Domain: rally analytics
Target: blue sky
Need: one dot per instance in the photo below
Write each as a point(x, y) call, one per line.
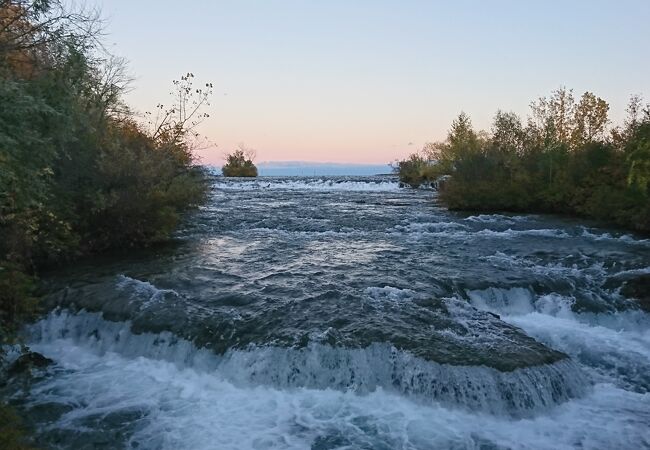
point(357, 81)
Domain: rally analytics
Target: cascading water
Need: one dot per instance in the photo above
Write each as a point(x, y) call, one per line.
point(348, 313)
point(318, 366)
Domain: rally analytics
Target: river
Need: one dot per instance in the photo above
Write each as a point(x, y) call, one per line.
point(347, 313)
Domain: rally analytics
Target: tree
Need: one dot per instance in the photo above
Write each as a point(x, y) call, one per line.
point(508, 133)
point(180, 121)
point(78, 172)
point(634, 111)
point(590, 120)
point(34, 34)
point(562, 161)
point(553, 116)
point(240, 163)
point(461, 137)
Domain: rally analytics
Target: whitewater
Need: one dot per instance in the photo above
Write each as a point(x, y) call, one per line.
point(347, 313)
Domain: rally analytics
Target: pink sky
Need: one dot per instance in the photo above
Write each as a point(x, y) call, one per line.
point(356, 82)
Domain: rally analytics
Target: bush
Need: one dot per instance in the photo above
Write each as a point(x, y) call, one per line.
point(416, 171)
point(562, 161)
point(17, 300)
point(12, 434)
point(78, 173)
point(238, 164)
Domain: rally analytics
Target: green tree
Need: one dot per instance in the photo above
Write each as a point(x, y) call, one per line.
point(590, 120)
point(79, 173)
point(240, 163)
point(552, 117)
point(562, 161)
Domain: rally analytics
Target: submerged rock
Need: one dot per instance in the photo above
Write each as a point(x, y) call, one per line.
point(639, 290)
point(441, 330)
point(27, 362)
point(320, 365)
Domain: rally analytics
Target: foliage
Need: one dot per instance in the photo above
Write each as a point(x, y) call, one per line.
point(78, 172)
point(17, 301)
point(416, 170)
point(240, 163)
point(12, 435)
point(563, 160)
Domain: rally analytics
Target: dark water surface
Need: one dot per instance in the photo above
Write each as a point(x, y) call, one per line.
point(345, 313)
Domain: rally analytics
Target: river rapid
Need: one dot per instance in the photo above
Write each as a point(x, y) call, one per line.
point(347, 313)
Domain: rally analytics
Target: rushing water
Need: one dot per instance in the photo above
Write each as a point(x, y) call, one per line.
point(347, 313)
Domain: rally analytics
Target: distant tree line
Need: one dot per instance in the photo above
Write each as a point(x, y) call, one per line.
point(565, 158)
point(79, 172)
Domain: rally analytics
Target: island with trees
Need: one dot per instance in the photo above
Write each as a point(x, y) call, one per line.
point(564, 159)
point(240, 163)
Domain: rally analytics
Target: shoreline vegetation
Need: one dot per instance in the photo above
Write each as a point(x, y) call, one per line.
point(564, 159)
point(80, 172)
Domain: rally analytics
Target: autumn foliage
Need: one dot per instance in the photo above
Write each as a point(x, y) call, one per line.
point(79, 172)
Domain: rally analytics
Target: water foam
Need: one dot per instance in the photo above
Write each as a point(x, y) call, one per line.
point(624, 238)
point(519, 392)
point(390, 294)
point(145, 293)
point(497, 218)
point(459, 231)
point(614, 347)
point(174, 407)
point(315, 184)
point(428, 227)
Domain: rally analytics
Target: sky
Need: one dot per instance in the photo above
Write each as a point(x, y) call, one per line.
point(355, 81)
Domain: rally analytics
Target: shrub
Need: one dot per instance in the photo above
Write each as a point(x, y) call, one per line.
point(239, 164)
point(415, 171)
point(562, 161)
point(12, 434)
point(78, 173)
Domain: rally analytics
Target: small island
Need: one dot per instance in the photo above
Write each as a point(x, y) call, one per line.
point(240, 163)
